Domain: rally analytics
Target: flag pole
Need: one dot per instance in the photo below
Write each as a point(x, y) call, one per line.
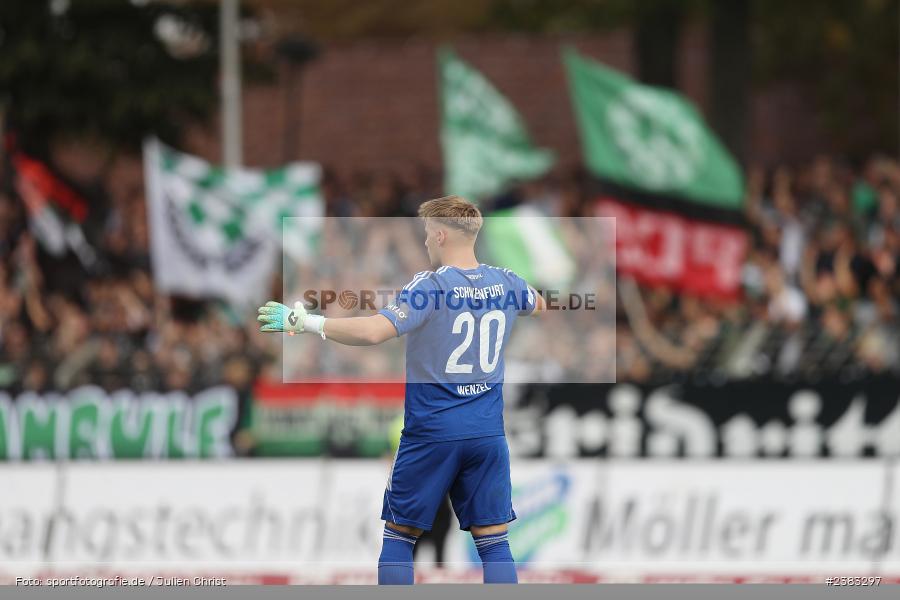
point(230, 77)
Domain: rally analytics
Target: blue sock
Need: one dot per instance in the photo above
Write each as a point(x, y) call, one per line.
point(496, 557)
point(395, 565)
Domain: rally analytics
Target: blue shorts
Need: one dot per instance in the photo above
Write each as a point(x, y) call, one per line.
point(475, 472)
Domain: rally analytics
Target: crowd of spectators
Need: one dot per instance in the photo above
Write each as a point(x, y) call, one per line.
point(64, 324)
point(821, 287)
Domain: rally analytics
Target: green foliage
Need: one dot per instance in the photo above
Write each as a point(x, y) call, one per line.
point(338, 20)
point(846, 52)
point(98, 69)
point(573, 16)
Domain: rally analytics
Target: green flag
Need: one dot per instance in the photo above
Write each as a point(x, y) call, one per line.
point(649, 138)
point(530, 244)
point(484, 141)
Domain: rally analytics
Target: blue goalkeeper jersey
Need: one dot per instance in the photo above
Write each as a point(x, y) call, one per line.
point(457, 323)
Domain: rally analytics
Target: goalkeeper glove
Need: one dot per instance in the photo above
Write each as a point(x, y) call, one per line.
point(278, 318)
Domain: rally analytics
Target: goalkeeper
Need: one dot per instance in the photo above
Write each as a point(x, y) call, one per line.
point(457, 319)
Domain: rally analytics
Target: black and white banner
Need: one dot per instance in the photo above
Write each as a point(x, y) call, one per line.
point(750, 419)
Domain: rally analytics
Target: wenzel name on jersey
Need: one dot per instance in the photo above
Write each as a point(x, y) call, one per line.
point(471, 390)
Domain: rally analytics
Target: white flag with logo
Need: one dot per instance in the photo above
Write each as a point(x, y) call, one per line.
point(216, 233)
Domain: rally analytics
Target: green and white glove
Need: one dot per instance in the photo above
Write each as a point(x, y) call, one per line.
point(278, 318)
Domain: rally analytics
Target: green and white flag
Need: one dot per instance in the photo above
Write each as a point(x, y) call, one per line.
point(215, 233)
point(484, 141)
point(530, 243)
point(649, 138)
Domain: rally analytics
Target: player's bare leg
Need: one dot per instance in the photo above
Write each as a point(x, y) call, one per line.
point(492, 543)
point(414, 531)
point(489, 529)
point(395, 566)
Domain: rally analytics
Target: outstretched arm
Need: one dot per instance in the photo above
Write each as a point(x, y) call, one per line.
point(351, 331)
point(360, 331)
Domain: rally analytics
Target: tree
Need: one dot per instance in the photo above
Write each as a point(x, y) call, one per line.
point(846, 53)
point(730, 74)
point(112, 70)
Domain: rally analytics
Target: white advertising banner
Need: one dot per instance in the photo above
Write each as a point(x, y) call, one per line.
point(174, 514)
point(28, 495)
point(890, 561)
point(317, 521)
point(704, 520)
point(739, 518)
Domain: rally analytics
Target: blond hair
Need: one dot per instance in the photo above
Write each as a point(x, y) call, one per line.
point(453, 211)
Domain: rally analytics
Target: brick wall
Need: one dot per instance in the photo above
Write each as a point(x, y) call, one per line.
point(372, 104)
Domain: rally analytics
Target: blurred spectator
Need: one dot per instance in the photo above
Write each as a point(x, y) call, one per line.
point(821, 291)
